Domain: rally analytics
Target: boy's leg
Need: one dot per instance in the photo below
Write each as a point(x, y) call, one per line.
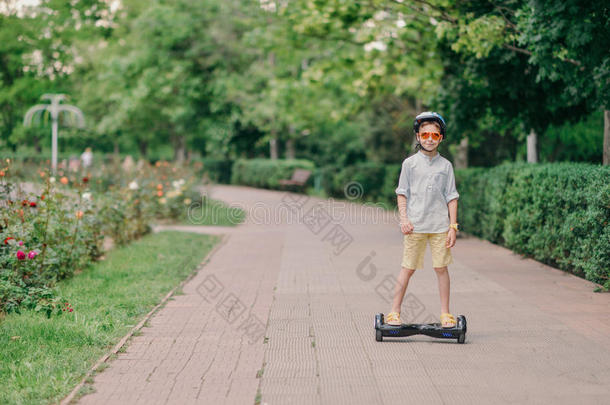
point(413, 258)
point(401, 288)
point(441, 258)
point(443, 287)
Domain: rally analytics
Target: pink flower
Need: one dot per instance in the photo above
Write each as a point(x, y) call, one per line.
point(20, 255)
point(20, 243)
point(32, 254)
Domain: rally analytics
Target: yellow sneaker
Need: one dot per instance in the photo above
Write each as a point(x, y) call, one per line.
point(393, 318)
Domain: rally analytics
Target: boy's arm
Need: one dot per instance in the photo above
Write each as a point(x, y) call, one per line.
point(452, 233)
point(405, 225)
point(453, 208)
point(401, 201)
point(402, 191)
point(451, 195)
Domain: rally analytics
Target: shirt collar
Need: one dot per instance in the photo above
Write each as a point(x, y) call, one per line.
point(428, 159)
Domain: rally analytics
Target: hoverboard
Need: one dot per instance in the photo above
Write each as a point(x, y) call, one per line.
point(430, 329)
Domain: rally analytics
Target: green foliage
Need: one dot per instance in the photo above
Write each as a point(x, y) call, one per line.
point(38, 49)
point(479, 101)
point(570, 41)
point(152, 78)
point(335, 76)
point(556, 213)
point(341, 80)
point(579, 142)
point(482, 213)
point(479, 36)
point(340, 144)
point(390, 182)
point(266, 173)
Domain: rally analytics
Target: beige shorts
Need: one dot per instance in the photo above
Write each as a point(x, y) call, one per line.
point(415, 247)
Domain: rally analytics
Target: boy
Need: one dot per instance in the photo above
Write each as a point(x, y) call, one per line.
point(427, 202)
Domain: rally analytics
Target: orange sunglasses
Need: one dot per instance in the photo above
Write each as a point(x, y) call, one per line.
point(434, 135)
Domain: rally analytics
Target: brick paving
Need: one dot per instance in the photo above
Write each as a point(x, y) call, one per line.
point(285, 309)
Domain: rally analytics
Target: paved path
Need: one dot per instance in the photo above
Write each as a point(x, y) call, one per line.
point(285, 309)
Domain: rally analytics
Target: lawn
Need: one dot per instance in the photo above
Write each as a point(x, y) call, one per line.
point(212, 212)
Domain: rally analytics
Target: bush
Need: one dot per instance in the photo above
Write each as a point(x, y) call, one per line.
point(364, 181)
point(44, 238)
point(555, 213)
point(217, 170)
point(57, 228)
point(390, 182)
point(372, 182)
point(266, 173)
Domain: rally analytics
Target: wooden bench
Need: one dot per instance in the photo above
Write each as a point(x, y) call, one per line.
point(299, 178)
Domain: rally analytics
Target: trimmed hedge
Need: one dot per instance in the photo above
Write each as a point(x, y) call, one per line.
point(266, 173)
point(557, 213)
point(376, 182)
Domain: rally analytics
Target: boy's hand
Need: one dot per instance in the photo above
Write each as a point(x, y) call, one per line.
point(406, 226)
point(451, 237)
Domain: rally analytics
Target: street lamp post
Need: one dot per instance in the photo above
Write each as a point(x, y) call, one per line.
point(54, 108)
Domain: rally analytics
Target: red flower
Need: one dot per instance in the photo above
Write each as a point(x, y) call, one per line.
point(67, 307)
point(32, 204)
point(42, 197)
point(7, 239)
point(24, 203)
point(20, 255)
point(85, 179)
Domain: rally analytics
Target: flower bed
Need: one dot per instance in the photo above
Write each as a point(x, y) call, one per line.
point(52, 229)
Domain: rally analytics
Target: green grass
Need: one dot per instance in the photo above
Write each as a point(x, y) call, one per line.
point(44, 359)
point(213, 212)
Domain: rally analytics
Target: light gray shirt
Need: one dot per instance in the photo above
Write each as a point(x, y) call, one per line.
point(429, 185)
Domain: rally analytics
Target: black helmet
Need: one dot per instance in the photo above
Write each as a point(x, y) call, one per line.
point(429, 116)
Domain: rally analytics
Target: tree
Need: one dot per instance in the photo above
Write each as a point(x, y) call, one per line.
point(37, 54)
point(149, 84)
point(571, 40)
point(328, 62)
point(564, 52)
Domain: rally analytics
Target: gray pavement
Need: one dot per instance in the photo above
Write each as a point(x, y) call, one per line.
point(283, 314)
